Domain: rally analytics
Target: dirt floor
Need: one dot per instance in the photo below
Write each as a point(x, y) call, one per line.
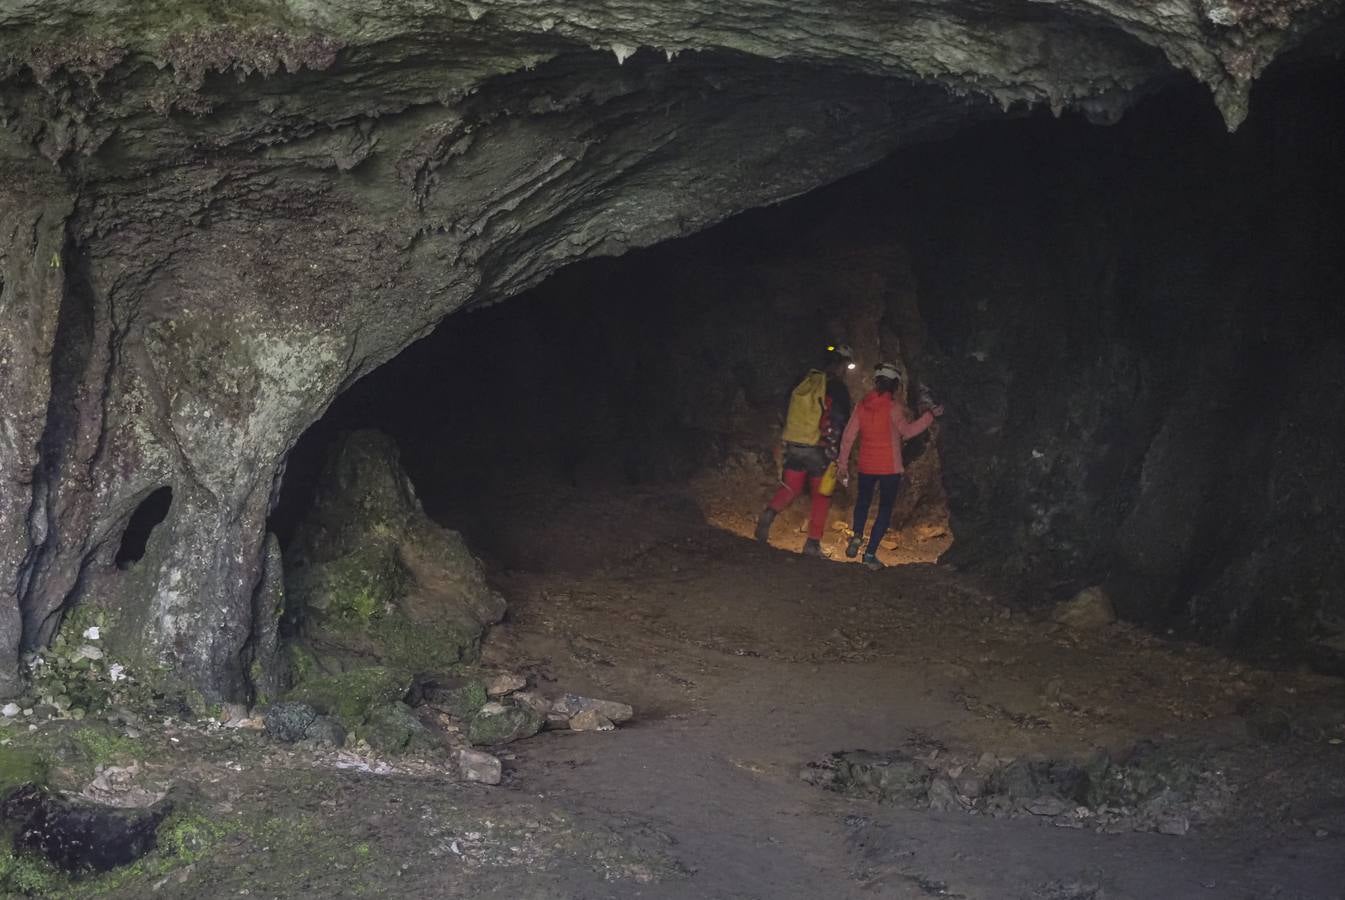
point(748, 667)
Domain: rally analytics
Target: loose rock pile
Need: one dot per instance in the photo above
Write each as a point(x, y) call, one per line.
point(1162, 789)
point(435, 716)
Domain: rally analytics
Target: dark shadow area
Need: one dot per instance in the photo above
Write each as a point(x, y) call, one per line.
point(147, 516)
point(1137, 331)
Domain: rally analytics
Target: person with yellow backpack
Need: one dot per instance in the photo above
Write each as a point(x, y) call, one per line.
point(819, 408)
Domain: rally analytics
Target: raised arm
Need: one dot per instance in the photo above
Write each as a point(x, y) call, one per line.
point(847, 443)
point(908, 427)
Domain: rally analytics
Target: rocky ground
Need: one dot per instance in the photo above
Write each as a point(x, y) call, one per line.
point(803, 728)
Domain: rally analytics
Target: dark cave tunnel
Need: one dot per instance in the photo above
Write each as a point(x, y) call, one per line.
point(1137, 332)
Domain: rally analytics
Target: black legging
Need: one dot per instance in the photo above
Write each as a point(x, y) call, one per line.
point(887, 486)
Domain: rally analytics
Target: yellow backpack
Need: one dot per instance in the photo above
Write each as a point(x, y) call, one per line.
point(803, 423)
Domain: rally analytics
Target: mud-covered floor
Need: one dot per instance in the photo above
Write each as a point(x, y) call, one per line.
point(745, 665)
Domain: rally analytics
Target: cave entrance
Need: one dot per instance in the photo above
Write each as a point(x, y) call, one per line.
point(1101, 309)
point(626, 402)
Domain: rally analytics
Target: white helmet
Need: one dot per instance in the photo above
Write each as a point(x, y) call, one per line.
point(887, 370)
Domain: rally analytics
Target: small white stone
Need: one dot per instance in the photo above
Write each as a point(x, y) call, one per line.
point(505, 683)
point(91, 633)
point(10, 710)
point(479, 766)
point(116, 672)
point(591, 720)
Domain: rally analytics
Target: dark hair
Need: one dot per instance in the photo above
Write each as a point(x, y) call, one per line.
point(885, 385)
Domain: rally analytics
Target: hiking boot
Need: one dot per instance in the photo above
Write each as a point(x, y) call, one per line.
point(871, 562)
point(764, 524)
point(814, 548)
point(852, 549)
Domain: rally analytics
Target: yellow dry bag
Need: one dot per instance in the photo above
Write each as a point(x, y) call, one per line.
point(803, 423)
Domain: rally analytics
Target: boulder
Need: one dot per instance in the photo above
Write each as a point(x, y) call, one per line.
point(394, 728)
point(501, 723)
point(352, 696)
point(1088, 610)
point(374, 579)
point(326, 732)
point(479, 766)
point(505, 683)
point(461, 696)
point(290, 722)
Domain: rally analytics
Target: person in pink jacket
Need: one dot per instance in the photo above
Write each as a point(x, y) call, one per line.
point(880, 423)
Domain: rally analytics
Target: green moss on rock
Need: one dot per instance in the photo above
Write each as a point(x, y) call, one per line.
point(352, 696)
point(19, 767)
point(499, 723)
point(355, 587)
point(26, 875)
point(460, 696)
point(394, 728)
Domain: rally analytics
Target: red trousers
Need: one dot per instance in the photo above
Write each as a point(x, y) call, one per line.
point(791, 485)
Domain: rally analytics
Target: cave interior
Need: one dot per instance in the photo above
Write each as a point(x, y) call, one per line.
point(389, 396)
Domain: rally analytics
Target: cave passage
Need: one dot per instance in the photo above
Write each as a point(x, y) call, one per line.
point(626, 401)
point(1136, 331)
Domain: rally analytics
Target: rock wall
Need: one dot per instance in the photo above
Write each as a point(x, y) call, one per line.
point(1141, 342)
point(217, 216)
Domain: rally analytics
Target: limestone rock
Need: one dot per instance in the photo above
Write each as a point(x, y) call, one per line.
point(326, 731)
point(394, 728)
point(942, 795)
point(567, 706)
point(461, 696)
point(505, 683)
point(375, 577)
point(534, 701)
point(479, 766)
point(1088, 610)
point(500, 723)
point(352, 696)
point(591, 720)
point(290, 722)
point(894, 777)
